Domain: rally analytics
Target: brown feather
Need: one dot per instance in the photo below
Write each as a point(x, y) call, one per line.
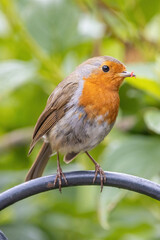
point(69, 157)
point(39, 164)
point(54, 110)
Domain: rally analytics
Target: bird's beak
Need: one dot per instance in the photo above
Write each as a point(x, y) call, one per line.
point(127, 74)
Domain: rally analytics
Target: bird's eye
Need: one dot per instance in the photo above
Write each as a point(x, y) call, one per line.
point(105, 68)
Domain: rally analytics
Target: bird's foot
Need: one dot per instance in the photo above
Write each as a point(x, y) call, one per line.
point(102, 174)
point(59, 177)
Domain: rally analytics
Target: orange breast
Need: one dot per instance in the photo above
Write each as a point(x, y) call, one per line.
point(98, 100)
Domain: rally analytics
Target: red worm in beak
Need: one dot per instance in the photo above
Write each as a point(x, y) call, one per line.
point(132, 74)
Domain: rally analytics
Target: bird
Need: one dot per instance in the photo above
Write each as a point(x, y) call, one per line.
point(79, 114)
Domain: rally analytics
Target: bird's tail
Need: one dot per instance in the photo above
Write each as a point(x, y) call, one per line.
point(39, 164)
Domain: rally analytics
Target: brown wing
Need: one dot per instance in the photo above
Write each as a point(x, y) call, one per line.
point(54, 110)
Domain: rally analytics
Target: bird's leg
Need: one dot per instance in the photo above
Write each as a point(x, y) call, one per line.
point(98, 169)
point(60, 174)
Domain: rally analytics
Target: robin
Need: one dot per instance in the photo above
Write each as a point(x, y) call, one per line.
point(79, 113)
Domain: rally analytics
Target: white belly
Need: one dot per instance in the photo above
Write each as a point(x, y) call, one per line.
point(77, 134)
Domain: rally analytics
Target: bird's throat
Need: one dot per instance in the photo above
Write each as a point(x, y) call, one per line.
point(99, 101)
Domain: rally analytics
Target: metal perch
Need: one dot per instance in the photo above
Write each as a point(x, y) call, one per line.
point(79, 178)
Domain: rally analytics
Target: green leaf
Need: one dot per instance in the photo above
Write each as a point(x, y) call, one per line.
point(24, 231)
point(134, 155)
point(45, 23)
point(109, 199)
point(152, 30)
point(137, 155)
point(147, 79)
point(152, 120)
point(14, 73)
point(147, 85)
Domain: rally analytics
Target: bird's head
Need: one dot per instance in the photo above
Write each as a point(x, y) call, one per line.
point(105, 71)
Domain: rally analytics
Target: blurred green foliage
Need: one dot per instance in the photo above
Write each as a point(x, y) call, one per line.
point(41, 41)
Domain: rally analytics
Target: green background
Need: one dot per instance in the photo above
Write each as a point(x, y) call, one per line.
point(41, 42)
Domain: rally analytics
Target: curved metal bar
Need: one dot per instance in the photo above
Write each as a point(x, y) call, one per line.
point(2, 236)
point(79, 178)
